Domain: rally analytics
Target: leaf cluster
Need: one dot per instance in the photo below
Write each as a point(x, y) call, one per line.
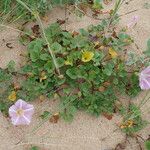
point(90, 86)
point(15, 11)
point(133, 114)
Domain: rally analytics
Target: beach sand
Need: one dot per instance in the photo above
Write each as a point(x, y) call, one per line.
point(85, 132)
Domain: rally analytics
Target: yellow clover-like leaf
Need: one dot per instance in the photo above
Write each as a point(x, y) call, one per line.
point(87, 56)
point(43, 76)
point(112, 53)
point(68, 62)
point(12, 96)
point(130, 123)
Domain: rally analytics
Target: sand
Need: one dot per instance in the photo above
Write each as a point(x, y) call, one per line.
point(85, 132)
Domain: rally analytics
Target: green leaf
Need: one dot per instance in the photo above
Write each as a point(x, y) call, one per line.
point(97, 4)
point(35, 48)
point(98, 56)
point(147, 145)
point(108, 69)
point(67, 35)
point(69, 113)
point(34, 56)
point(34, 148)
point(45, 114)
point(60, 61)
point(49, 67)
point(84, 32)
point(147, 52)
point(72, 73)
point(53, 31)
point(146, 5)
point(115, 81)
point(11, 66)
point(56, 47)
point(45, 56)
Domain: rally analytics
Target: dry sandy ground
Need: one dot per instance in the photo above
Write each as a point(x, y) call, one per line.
point(85, 132)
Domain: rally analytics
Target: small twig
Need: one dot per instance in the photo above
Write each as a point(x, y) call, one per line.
point(83, 13)
point(117, 7)
point(141, 138)
point(65, 17)
point(9, 27)
point(129, 104)
point(138, 142)
point(129, 1)
point(128, 12)
point(123, 144)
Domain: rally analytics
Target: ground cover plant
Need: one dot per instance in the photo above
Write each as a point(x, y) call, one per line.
point(16, 10)
point(85, 70)
point(12, 11)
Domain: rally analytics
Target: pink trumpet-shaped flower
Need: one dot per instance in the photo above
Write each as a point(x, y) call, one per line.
point(21, 113)
point(133, 21)
point(145, 79)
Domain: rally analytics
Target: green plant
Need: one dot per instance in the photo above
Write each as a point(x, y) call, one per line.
point(34, 148)
point(6, 88)
point(15, 11)
point(87, 84)
point(85, 69)
point(132, 120)
point(147, 145)
point(148, 48)
point(11, 10)
point(146, 5)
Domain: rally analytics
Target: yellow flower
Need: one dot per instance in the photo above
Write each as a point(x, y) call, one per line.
point(12, 96)
point(68, 62)
point(87, 56)
point(43, 76)
point(127, 124)
point(113, 53)
point(123, 126)
point(130, 123)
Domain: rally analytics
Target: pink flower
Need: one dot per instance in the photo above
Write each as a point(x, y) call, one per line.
point(21, 113)
point(133, 21)
point(145, 79)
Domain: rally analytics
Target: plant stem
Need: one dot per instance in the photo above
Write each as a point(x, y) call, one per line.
point(145, 99)
point(117, 6)
point(36, 15)
point(9, 27)
point(48, 44)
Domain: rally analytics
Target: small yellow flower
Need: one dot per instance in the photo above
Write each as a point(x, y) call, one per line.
point(43, 76)
point(68, 62)
point(123, 126)
point(130, 123)
point(127, 124)
point(113, 53)
point(87, 56)
point(12, 96)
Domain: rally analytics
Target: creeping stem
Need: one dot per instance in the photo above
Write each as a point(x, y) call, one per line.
point(36, 15)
